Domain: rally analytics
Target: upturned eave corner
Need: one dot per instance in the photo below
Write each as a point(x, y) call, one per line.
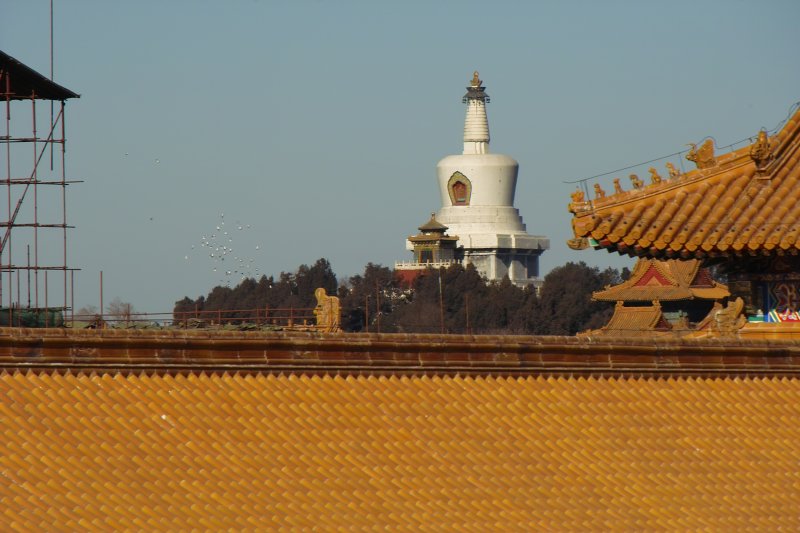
point(662, 216)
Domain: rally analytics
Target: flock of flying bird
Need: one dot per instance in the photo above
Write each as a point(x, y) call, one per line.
point(217, 246)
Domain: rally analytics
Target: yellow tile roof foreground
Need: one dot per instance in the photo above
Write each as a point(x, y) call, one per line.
point(259, 451)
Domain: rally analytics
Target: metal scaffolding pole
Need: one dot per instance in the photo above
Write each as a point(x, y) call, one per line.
point(36, 216)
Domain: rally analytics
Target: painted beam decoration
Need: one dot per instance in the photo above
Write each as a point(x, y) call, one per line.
point(782, 300)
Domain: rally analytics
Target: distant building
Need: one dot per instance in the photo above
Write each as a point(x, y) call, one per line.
point(432, 247)
point(477, 192)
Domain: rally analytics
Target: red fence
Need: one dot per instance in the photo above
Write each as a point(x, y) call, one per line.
point(288, 317)
point(260, 317)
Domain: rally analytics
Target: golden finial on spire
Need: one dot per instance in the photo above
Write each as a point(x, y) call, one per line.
point(476, 81)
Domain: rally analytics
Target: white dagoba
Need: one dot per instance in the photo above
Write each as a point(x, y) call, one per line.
point(477, 189)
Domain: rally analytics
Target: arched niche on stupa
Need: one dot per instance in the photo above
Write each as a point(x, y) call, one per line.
point(460, 189)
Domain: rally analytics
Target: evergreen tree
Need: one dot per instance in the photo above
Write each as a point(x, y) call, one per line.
point(291, 291)
point(454, 300)
point(368, 298)
point(566, 306)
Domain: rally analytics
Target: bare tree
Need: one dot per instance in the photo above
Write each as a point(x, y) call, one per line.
point(119, 310)
point(87, 312)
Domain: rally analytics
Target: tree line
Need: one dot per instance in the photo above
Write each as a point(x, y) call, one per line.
point(453, 300)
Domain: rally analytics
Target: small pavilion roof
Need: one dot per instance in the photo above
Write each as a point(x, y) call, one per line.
point(433, 226)
point(432, 231)
point(25, 83)
point(665, 280)
point(741, 203)
point(633, 321)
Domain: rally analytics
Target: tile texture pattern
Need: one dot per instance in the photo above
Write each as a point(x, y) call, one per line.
point(105, 451)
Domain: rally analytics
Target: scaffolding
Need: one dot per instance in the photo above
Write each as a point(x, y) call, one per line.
point(33, 228)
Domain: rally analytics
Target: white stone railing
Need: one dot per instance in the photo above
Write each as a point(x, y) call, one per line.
point(413, 265)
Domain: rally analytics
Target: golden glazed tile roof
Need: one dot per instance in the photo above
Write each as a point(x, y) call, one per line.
point(665, 280)
point(261, 452)
point(635, 321)
point(747, 201)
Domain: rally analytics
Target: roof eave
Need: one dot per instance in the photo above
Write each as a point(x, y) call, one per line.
point(32, 85)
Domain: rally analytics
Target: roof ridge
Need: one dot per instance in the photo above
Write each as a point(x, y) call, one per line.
point(745, 201)
point(724, 162)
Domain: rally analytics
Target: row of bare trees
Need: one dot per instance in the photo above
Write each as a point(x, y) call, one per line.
point(116, 310)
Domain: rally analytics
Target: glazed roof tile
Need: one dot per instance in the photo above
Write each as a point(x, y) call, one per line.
point(665, 280)
point(748, 202)
point(636, 321)
point(86, 451)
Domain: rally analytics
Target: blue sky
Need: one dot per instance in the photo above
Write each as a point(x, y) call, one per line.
point(317, 126)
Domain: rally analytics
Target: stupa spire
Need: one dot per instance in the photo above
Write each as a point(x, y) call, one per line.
point(476, 125)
